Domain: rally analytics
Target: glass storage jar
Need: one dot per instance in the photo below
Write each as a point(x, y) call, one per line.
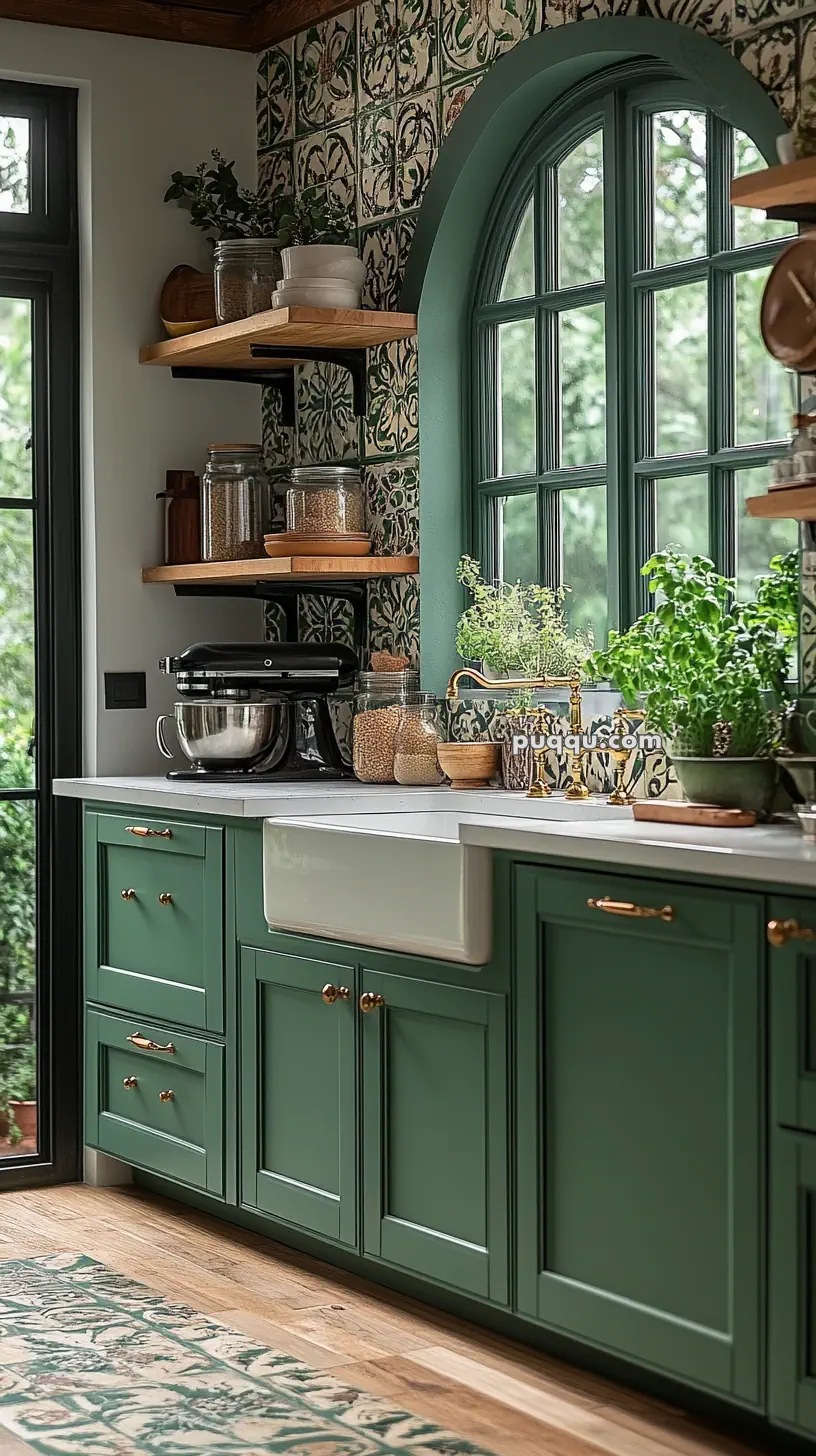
point(378, 700)
point(246, 275)
point(235, 503)
point(415, 742)
point(325, 500)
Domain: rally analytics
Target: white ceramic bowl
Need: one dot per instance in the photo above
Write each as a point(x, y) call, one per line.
point(322, 293)
point(314, 259)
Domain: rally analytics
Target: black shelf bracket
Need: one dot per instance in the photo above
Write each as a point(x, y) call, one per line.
point(792, 212)
point(354, 360)
point(281, 379)
point(287, 595)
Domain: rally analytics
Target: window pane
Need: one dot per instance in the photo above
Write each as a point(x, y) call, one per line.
point(517, 407)
point(764, 392)
point(580, 214)
point(679, 185)
point(17, 972)
point(519, 276)
point(682, 514)
point(681, 368)
point(583, 385)
point(14, 138)
point(15, 396)
point(757, 539)
point(750, 225)
point(16, 648)
point(518, 517)
point(584, 568)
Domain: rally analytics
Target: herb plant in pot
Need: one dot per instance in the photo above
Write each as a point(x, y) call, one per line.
point(711, 672)
point(513, 631)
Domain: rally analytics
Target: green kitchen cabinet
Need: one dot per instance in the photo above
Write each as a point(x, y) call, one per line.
point(434, 1140)
point(792, 1271)
point(153, 924)
point(791, 935)
point(640, 1107)
point(298, 1091)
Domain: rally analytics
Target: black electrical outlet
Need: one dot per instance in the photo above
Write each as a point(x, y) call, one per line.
point(125, 690)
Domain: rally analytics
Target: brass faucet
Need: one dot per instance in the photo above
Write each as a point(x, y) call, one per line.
point(576, 789)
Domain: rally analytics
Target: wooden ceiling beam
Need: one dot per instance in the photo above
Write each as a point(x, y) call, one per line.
point(144, 18)
point(276, 20)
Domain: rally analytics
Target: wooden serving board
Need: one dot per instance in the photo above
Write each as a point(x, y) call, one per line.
point(657, 811)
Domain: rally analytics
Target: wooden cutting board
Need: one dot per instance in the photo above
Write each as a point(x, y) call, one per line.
point(657, 811)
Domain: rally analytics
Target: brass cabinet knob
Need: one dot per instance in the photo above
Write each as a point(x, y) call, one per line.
point(779, 932)
point(167, 1096)
point(165, 899)
point(128, 894)
point(371, 1000)
point(131, 1083)
point(332, 993)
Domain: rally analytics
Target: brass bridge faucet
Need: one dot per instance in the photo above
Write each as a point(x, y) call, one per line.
point(576, 789)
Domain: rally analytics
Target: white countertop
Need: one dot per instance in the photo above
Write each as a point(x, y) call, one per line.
point(771, 854)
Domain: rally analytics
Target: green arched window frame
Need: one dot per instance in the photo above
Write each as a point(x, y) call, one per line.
point(639, 488)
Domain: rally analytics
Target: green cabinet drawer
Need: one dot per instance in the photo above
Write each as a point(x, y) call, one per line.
point(640, 1110)
point(153, 934)
point(791, 936)
point(435, 1131)
point(158, 1106)
point(298, 1091)
point(792, 1271)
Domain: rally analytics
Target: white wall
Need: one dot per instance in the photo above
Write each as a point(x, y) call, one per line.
point(145, 108)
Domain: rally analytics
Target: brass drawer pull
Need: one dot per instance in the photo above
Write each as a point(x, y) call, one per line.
point(371, 1001)
point(167, 1096)
point(138, 1040)
point(131, 1083)
point(781, 931)
point(142, 832)
point(128, 894)
point(332, 993)
point(627, 907)
point(165, 899)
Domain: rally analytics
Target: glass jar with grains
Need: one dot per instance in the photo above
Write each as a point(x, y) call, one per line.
point(235, 503)
point(325, 500)
point(417, 735)
point(246, 275)
point(379, 698)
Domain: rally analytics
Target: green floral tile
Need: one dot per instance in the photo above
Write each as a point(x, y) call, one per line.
point(772, 57)
point(327, 428)
point(95, 1365)
point(393, 621)
point(309, 156)
point(276, 170)
point(392, 423)
point(418, 59)
point(376, 137)
point(339, 67)
point(418, 125)
point(472, 36)
point(377, 74)
point(376, 23)
point(376, 192)
point(455, 96)
point(275, 95)
point(392, 506)
point(310, 102)
point(384, 248)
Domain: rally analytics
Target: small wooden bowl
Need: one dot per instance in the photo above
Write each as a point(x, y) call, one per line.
point(469, 765)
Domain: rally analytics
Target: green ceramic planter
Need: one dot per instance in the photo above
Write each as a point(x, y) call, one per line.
point(730, 783)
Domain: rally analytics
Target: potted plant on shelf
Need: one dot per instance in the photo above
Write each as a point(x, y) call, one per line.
point(250, 228)
point(517, 630)
point(711, 673)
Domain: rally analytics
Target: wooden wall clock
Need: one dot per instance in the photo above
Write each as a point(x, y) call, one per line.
point(788, 314)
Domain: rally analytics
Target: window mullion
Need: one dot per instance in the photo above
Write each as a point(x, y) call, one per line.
point(620, 484)
point(721, 347)
point(550, 543)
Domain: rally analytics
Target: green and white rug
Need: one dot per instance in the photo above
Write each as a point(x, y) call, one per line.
point(93, 1364)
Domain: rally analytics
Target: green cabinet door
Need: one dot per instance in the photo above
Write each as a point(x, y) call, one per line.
point(792, 982)
point(792, 1326)
point(298, 1092)
point(435, 1131)
point(639, 1113)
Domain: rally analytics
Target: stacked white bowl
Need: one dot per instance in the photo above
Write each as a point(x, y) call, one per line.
point(320, 275)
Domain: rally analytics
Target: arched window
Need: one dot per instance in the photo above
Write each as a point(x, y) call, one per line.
point(622, 399)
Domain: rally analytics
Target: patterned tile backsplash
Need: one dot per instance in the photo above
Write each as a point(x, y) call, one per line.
point(359, 106)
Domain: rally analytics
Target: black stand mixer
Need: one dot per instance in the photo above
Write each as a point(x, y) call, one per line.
point(258, 709)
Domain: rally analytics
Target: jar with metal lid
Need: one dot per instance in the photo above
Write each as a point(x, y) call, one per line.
point(235, 503)
point(417, 735)
point(379, 698)
point(325, 500)
point(246, 275)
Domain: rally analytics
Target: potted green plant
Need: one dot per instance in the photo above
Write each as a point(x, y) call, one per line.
point(711, 673)
point(18, 1075)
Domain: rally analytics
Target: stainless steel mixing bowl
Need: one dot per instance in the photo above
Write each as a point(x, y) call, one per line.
point(217, 735)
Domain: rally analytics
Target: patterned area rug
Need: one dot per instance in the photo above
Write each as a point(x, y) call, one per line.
point(93, 1364)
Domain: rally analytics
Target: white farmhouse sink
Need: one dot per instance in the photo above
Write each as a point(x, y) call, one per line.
point(396, 881)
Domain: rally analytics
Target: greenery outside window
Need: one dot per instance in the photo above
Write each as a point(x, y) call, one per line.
point(622, 399)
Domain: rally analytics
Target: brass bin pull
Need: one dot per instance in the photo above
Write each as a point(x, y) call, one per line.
point(165, 898)
point(636, 912)
point(779, 932)
point(128, 894)
point(145, 1045)
point(131, 1083)
point(167, 1096)
point(332, 993)
point(371, 1001)
point(142, 832)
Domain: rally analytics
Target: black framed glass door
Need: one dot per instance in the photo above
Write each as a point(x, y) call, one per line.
point(40, 687)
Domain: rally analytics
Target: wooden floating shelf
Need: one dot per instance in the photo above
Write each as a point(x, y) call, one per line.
point(781, 190)
point(280, 568)
point(229, 345)
point(789, 503)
